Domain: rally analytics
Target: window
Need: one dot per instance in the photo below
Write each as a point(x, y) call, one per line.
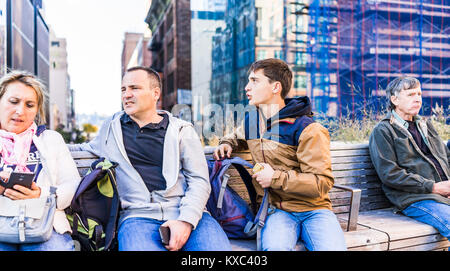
point(170, 83)
point(170, 51)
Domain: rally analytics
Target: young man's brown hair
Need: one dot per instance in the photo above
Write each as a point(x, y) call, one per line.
point(275, 70)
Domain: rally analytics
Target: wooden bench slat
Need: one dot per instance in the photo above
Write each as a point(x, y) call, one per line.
point(351, 166)
point(82, 155)
point(354, 173)
point(346, 146)
point(340, 153)
point(417, 241)
point(441, 245)
point(349, 159)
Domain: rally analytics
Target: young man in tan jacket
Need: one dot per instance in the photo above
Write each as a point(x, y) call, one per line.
point(295, 153)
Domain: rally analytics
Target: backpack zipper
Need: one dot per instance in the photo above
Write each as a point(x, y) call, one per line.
point(231, 219)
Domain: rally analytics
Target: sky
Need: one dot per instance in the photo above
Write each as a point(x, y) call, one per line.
point(94, 31)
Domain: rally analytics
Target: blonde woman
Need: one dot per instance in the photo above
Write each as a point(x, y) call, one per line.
point(26, 146)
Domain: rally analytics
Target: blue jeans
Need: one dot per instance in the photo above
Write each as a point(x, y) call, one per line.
point(319, 230)
point(57, 242)
point(432, 213)
point(142, 234)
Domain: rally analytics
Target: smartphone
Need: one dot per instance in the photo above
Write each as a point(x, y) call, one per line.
point(164, 232)
point(21, 178)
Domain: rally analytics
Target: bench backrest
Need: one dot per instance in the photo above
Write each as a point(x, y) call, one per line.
point(351, 166)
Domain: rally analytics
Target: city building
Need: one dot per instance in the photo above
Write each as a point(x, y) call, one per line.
point(257, 29)
point(206, 17)
point(130, 42)
point(61, 95)
point(357, 47)
point(342, 52)
point(170, 44)
point(24, 39)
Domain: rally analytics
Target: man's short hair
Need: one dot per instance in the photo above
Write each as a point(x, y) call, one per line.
point(399, 84)
point(275, 70)
point(151, 73)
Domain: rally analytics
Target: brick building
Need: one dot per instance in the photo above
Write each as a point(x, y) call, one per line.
point(169, 22)
point(130, 42)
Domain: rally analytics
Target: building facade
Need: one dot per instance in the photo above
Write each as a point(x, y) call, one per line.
point(130, 41)
point(343, 52)
point(206, 17)
point(170, 44)
point(24, 40)
point(60, 93)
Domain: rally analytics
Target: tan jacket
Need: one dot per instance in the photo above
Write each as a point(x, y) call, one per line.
point(300, 156)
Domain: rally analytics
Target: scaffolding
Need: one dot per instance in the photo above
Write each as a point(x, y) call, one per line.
point(356, 47)
point(343, 53)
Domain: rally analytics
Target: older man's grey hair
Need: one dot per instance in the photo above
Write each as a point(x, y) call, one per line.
point(399, 84)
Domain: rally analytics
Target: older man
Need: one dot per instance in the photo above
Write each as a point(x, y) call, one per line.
point(411, 159)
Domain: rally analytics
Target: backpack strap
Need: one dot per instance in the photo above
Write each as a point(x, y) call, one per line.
point(115, 206)
point(255, 226)
point(109, 231)
point(238, 163)
point(247, 179)
point(223, 187)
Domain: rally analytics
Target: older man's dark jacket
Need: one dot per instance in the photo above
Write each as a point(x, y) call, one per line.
point(407, 174)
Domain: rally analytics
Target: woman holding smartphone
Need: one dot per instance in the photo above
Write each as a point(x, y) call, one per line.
point(27, 147)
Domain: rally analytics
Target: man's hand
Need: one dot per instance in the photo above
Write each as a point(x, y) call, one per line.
point(264, 177)
point(219, 152)
point(442, 188)
point(179, 234)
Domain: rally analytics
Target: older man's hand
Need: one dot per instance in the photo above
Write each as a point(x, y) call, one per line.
point(442, 188)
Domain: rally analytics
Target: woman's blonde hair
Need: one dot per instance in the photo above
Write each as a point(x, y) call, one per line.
point(29, 80)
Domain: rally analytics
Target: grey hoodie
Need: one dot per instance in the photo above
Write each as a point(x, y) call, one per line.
point(184, 169)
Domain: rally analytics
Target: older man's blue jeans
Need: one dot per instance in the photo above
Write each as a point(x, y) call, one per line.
point(319, 230)
point(432, 213)
point(142, 234)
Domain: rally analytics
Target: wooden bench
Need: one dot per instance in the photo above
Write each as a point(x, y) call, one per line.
point(365, 214)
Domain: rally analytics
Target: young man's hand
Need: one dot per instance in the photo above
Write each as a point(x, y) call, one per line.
point(264, 177)
point(221, 151)
point(179, 234)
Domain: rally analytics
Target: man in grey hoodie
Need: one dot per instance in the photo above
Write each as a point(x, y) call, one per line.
point(162, 177)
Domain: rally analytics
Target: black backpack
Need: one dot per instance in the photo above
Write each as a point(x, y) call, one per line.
point(94, 211)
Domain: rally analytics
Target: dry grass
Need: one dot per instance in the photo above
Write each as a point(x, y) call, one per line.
point(439, 119)
point(355, 130)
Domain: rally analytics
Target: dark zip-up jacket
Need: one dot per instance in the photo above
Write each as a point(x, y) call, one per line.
point(407, 174)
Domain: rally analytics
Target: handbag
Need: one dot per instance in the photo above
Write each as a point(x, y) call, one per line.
point(27, 221)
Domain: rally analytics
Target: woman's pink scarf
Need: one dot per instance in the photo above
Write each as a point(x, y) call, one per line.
point(14, 148)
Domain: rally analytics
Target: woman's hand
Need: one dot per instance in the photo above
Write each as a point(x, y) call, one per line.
point(21, 192)
point(5, 176)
